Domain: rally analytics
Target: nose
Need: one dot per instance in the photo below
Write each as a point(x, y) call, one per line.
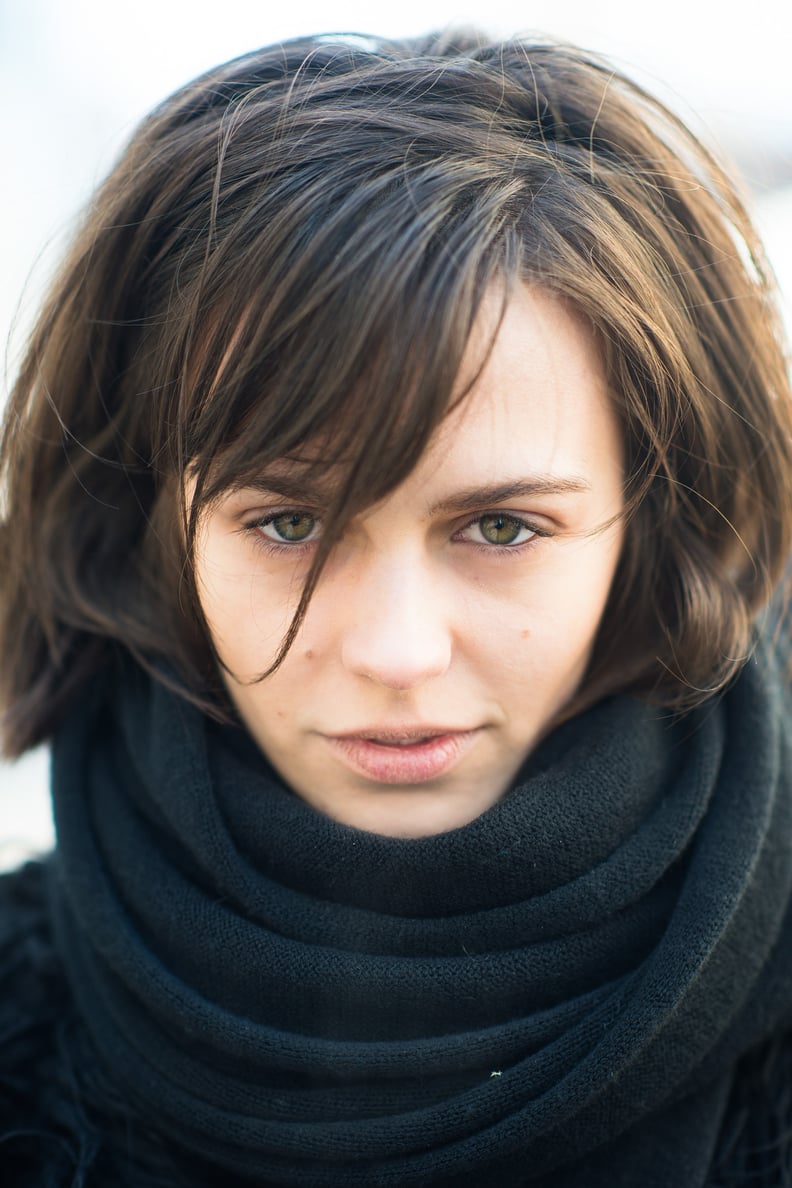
point(397, 629)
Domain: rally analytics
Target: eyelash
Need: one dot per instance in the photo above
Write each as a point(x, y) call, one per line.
point(274, 547)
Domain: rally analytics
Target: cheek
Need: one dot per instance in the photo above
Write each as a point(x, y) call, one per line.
point(543, 629)
point(577, 607)
point(246, 620)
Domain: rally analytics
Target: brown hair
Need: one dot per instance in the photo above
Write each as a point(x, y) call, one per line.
point(293, 248)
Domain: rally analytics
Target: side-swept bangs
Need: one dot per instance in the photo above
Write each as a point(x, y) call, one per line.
point(293, 250)
point(347, 361)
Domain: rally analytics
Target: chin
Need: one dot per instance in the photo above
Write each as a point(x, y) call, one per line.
point(408, 814)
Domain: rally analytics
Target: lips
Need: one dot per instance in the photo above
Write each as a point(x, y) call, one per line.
point(403, 756)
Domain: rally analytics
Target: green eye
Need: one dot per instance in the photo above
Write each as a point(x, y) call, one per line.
point(292, 526)
point(500, 530)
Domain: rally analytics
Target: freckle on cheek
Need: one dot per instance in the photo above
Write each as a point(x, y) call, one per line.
point(524, 634)
point(309, 654)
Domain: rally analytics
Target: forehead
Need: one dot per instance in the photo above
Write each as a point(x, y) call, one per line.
point(533, 416)
point(538, 403)
point(530, 411)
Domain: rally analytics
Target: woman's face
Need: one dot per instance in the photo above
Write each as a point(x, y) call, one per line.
point(455, 619)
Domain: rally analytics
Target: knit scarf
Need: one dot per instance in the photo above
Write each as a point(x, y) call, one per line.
point(557, 992)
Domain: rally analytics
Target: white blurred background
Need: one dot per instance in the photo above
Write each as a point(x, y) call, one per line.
point(76, 76)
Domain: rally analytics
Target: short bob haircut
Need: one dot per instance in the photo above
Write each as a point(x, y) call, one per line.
point(287, 261)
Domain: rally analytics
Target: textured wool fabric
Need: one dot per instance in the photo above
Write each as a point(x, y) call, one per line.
point(556, 993)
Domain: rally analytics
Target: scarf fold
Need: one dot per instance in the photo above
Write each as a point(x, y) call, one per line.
point(303, 1003)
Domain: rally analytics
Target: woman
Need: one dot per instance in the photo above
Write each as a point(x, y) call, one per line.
point(398, 486)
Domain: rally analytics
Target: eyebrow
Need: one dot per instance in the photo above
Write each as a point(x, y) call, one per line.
point(290, 487)
point(493, 493)
point(470, 498)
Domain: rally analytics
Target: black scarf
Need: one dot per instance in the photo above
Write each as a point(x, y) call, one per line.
point(556, 993)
